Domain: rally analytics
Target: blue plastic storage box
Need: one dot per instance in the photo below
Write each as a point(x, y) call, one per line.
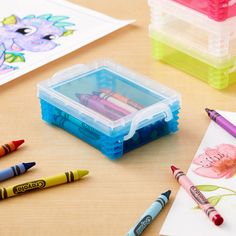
point(108, 106)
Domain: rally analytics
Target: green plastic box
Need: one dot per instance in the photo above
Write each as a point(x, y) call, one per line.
point(218, 73)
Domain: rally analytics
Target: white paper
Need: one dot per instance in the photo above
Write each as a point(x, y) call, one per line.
point(183, 219)
point(88, 25)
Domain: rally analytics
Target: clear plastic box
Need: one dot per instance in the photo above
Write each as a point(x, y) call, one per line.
point(194, 30)
point(218, 10)
point(108, 106)
point(218, 74)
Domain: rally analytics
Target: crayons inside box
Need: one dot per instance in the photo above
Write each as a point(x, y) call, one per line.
point(108, 106)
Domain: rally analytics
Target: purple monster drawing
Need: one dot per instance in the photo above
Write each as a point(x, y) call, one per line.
point(31, 33)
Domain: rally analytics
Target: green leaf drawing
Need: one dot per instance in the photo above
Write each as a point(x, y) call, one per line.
point(207, 188)
point(68, 32)
point(11, 57)
point(212, 200)
point(11, 20)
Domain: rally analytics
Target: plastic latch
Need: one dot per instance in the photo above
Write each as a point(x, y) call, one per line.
point(148, 113)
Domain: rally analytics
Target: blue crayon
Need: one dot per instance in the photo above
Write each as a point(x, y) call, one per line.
point(15, 170)
point(150, 214)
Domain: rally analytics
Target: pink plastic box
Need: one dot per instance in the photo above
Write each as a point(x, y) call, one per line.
point(218, 10)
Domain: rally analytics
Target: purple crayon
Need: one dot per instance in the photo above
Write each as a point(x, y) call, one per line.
point(113, 100)
point(221, 121)
point(100, 105)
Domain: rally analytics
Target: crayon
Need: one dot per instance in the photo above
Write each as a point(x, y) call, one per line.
point(122, 98)
point(15, 170)
point(150, 214)
point(197, 196)
point(98, 107)
point(42, 183)
point(10, 147)
point(102, 106)
point(108, 104)
point(108, 97)
point(111, 105)
point(222, 122)
point(78, 129)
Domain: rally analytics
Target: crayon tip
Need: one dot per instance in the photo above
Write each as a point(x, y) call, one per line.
point(28, 165)
point(208, 110)
point(167, 194)
point(105, 90)
point(173, 168)
point(217, 220)
point(96, 93)
point(17, 143)
point(83, 98)
point(82, 173)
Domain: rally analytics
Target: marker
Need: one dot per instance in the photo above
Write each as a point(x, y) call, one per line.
point(102, 106)
point(15, 170)
point(197, 196)
point(43, 183)
point(221, 121)
point(122, 98)
point(10, 147)
point(108, 97)
point(150, 214)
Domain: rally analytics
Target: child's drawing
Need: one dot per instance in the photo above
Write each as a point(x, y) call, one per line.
point(215, 199)
point(31, 33)
point(217, 162)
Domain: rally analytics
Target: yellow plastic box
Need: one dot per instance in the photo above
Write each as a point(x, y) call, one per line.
point(216, 72)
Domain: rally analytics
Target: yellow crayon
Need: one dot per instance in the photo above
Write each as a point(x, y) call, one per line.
point(47, 182)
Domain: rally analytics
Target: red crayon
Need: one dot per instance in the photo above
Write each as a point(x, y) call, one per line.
point(197, 196)
point(10, 147)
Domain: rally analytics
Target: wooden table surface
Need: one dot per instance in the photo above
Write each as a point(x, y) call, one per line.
point(110, 200)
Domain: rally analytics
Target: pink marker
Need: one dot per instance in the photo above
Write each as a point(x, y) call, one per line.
point(197, 196)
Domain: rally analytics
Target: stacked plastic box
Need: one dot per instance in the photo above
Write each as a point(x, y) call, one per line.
point(109, 106)
point(198, 37)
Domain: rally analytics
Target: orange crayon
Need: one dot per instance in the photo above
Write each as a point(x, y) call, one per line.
point(10, 147)
point(122, 98)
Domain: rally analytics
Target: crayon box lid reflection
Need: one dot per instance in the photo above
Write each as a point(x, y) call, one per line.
point(109, 97)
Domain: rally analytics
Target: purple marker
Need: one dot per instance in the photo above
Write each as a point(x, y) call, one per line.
point(221, 121)
point(94, 102)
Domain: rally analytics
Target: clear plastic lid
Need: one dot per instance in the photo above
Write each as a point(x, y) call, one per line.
point(218, 10)
point(194, 17)
point(108, 97)
point(194, 30)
